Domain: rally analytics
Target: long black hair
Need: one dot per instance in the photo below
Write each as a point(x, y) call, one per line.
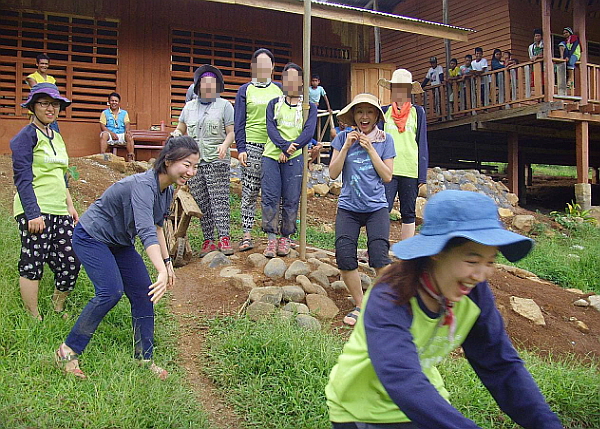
point(176, 149)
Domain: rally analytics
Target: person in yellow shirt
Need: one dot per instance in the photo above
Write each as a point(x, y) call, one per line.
point(41, 75)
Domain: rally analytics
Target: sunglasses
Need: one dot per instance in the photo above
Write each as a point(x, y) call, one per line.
point(45, 104)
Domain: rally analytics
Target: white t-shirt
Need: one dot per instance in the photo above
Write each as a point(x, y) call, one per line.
point(479, 65)
point(433, 74)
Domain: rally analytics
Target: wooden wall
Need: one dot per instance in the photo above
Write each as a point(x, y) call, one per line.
point(144, 56)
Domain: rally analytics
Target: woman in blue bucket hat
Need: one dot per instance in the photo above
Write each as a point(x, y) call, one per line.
point(42, 205)
point(435, 299)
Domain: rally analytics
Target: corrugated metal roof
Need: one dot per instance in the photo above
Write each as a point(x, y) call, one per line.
point(382, 5)
point(390, 15)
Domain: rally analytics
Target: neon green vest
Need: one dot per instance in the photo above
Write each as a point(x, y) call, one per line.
point(289, 126)
point(49, 169)
point(354, 392)
point(406, 162)
point(256, 111)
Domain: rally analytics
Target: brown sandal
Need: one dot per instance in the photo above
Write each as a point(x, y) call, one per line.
point(63, 358)
point(352, 317)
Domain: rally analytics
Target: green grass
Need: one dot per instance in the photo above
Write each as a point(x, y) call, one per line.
point(542, 169)
point(118, 394)
point(275, 373)
point(549, 258)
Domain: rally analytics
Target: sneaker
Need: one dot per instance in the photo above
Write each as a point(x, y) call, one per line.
point(225, 246)
point(270, 251)
point(283, 246)
point(207, 247)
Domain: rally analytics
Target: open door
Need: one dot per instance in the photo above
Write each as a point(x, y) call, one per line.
point(364, 78)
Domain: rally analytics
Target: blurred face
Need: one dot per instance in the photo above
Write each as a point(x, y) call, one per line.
point(401, 93)
point(262, 67)
point(468, 61)
point(498, 55)
point(46, 109)
point(43, 66)
point(566, 34)
point(365, 116)
point(433, 64)
point(453, 64)
point(506, 56)
point(292, 83)
point(537, 38)
point(478, 55)
point(179, 172)
point(456, 271)
point(114, 102)
point(314, 82)
point(208, 88)
point(342, 125)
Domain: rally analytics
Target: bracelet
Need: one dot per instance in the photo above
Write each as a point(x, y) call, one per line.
point(167, 260)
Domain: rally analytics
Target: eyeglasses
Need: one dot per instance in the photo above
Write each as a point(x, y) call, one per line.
point(45, 104)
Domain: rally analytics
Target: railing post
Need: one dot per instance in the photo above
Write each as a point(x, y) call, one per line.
point(548, 64)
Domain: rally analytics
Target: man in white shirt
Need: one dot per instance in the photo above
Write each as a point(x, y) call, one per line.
point(435, 74)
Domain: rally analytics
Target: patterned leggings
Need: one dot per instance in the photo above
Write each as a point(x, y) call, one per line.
point(210, 189)
point(251, 184)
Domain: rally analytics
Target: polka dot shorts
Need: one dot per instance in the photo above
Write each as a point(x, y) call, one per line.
point(51, 246)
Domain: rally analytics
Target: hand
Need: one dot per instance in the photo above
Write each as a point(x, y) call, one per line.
point(223, 150)
point(283, 158)
point(171, 274)
point(158, 288)
point(366, 144)
point(352, 137)
point(73, 214)
point(176, 133)
point(36, 226)
point(243, 157)
point(293, 147)
point(114, 136)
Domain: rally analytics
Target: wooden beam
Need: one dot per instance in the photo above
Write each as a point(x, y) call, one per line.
point(573, 116)
point(548, 66)
point(513, 163)
point(579, 21)
point(526, 130)
point(582, 151)
point(354, 15)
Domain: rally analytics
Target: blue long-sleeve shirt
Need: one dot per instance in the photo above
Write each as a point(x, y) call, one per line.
point(305, 137)
point(132, 206)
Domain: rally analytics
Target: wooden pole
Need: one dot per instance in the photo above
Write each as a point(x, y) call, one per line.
point(377, 36)
point(513, 163)
point(548, 66)
point(447, 45)
point(579, 21)
point(582, 151)
point(305, 106)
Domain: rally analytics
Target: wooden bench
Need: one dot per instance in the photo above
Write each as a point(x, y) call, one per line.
point(146, 140)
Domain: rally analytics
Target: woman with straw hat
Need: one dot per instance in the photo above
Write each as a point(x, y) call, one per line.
point(432, 301)
point(365, 155)
point(407, 124)
point(43, 206)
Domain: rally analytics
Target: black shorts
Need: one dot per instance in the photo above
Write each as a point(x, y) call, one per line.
point(407, 189)
point(51, 246)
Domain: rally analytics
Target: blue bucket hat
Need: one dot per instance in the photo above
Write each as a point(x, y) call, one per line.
point(449, 214)
point(48, 89)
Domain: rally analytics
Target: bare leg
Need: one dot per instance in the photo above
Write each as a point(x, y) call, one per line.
point(407, 231)
point(130, 148)
point(29, 294)
point(58, 299)
point(352, 281)
point(104, 142)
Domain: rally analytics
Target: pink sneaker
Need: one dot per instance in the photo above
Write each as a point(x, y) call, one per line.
point(225, 246)
point(271, 249)
point(207, 247)
point(283, 246)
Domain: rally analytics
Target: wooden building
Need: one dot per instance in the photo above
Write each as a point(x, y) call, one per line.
point(148, 50)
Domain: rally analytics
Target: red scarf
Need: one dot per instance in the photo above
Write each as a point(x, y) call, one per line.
point(400, 115)
point(446, 313)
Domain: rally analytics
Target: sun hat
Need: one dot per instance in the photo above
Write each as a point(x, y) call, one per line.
point(449, 214)
point(401, 76)
point(210, 69)
point(48, 89)
point(346, 115)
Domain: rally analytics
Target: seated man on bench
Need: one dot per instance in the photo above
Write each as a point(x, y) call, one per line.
point(114, 126)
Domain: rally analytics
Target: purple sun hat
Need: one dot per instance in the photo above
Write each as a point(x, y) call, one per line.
point(465, 214)
point(48, 89)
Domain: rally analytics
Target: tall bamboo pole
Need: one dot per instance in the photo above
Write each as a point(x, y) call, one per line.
point(305, 107)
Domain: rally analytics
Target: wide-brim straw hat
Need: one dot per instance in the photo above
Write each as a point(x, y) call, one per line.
point(402, 76)
point(208, 68)
point(48, 89)
point(346, 115)
point(450, 214)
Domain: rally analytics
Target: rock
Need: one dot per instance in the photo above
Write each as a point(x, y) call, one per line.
point(296, 307)
point(339, 285)
point(468, 187)
point(528, 309)
point(120, 166)
point(581, 303)
point(235, 180)
point(284, 314)
point(270, 294)
point(275, 268)
point(328, 270)
point(574, 290)
point(321, 189)
point(314, 263)
point(594, 301)
point(297, 268)
point(314, 288)
point(234, 163)
point(320, 278)
point(207, 259)
point(420, 207)
point(228, 272)
point(292, 293)
point(310, 192)
point(505, 212)
point(219, 260)
point(574, 256)
point(512, 199)
point(138, 166)
point(523, 222)
point(318, 254)
point(302, 280)
point(293, 254)
point(260, 310)
point(336, 188)
point(327, 228)
point(423, 191)
point(321, 306)
point(308, 322)
point(258, 260)
point(582, 327)
point(365, 281)
point(242, 281)
point(471, 176)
